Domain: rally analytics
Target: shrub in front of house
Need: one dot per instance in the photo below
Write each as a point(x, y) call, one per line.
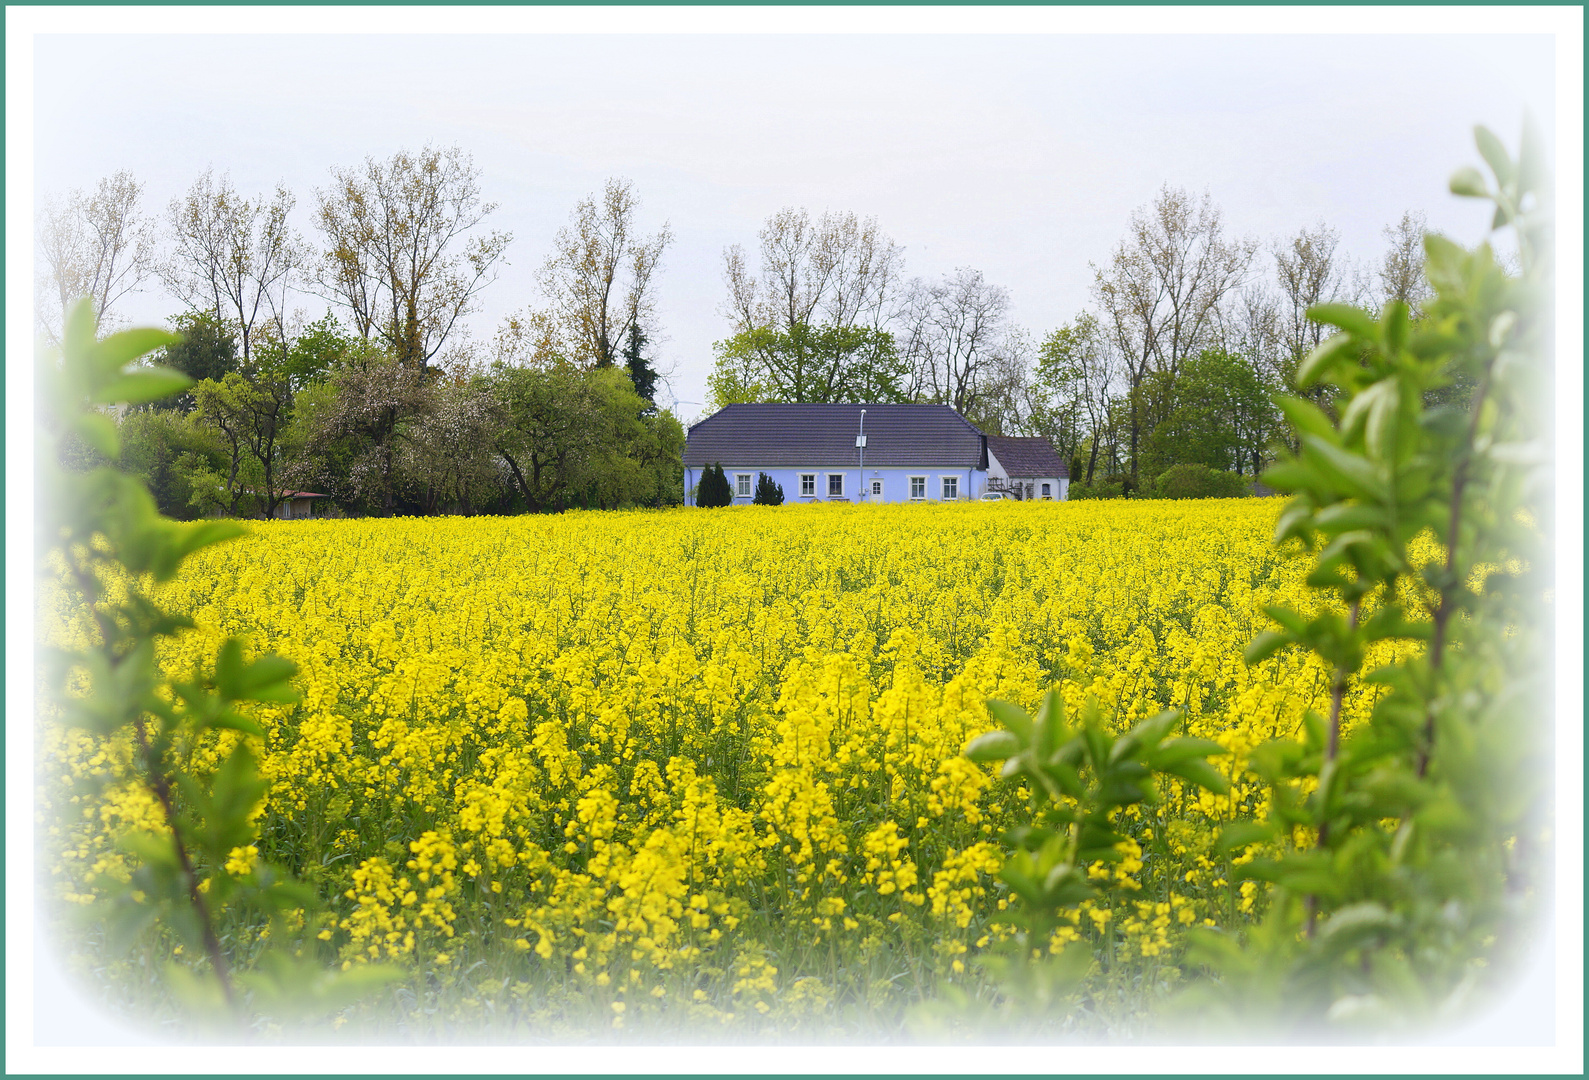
point(713, 489)
point(768, 493)
point(1114, 486)
point(1200, 482)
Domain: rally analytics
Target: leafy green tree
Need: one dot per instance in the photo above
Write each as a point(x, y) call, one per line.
point(809, 364)
point(1199, 482)
point(205, 349)
point(447, 463)
point(1217, 413)
point(1161, 295)
point(714, 489)
point(311, 355)
point(768, 492)
point(178, 458)
point(250, 410)
point(577, 437)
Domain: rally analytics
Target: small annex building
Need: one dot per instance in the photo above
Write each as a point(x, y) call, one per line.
point(831, 453)
point(296, 505)
point(1026, 468)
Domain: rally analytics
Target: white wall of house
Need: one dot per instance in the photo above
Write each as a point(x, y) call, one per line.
point(855, 485)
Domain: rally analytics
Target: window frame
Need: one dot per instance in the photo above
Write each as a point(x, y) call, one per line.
point(877, 487)
point(744, 486)
point(835, 477)
point(1048, 492)
point(916, 481)
point(944, 483)
point(808, 478)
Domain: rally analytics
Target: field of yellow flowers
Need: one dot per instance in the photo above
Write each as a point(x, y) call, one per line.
point(689, 767)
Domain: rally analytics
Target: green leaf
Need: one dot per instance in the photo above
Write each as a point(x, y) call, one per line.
point(137, 387)
point(234, 721)
point(1290, 620)
point(1013, 718)
point(994, 746)
point(1350, 474)
point(1347, 516)
point(1532, 173)
point(1242, 834)
point(1495, 155)
point(1145, 735)
point(1306, 416)
point(1200, 773)
point(1048, 726)
point(112, 353)
point(266, 679)
point(1469, 182)
point(150, 848)
point(1355, 321)
point(98, 431)
point(1264, 646)
point(1354, 924)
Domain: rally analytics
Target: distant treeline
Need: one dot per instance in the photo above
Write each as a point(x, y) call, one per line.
point(385, 405)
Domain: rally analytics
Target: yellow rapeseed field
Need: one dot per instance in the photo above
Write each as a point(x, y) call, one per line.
point(705, 765)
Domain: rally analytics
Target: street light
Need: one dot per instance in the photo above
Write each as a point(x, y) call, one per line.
point(860, 444)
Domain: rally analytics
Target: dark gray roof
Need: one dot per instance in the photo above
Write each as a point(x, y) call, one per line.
point(821, 436)
point(1027, 457)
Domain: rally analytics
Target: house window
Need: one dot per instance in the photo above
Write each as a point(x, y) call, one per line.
point(1046, 493)
point(951, 487)
point(836, 485)
point(877, 487)
point(918, 487)
point(808, 484)
point(744, 485)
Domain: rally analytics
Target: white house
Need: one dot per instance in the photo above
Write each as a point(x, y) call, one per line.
point(1027, 468)
point(832, 453)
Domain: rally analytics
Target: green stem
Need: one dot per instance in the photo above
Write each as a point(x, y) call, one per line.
point(1331, 751)
point(1448, 586)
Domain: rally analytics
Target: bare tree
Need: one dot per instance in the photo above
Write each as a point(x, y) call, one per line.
point(1075, 386)
point(1308, 272)
point(1400, 272)
point(97, 245)
point(398, 256)
point(953, 330)
point(529, 339)
point(1252, 327)
point(1007, 397)
point(599, 275)
point(1162, 291)
point(233, 256)
point(839, 270)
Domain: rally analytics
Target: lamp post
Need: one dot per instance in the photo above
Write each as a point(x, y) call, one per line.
point(860, 444)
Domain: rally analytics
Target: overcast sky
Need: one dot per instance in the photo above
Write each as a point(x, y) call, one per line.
point(1020, 156)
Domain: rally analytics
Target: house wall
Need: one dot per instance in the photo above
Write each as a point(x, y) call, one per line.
point(896, 483)
point(292, 509)
point(1059, 488)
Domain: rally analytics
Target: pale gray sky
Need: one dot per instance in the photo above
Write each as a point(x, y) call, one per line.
point(1021, 155)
